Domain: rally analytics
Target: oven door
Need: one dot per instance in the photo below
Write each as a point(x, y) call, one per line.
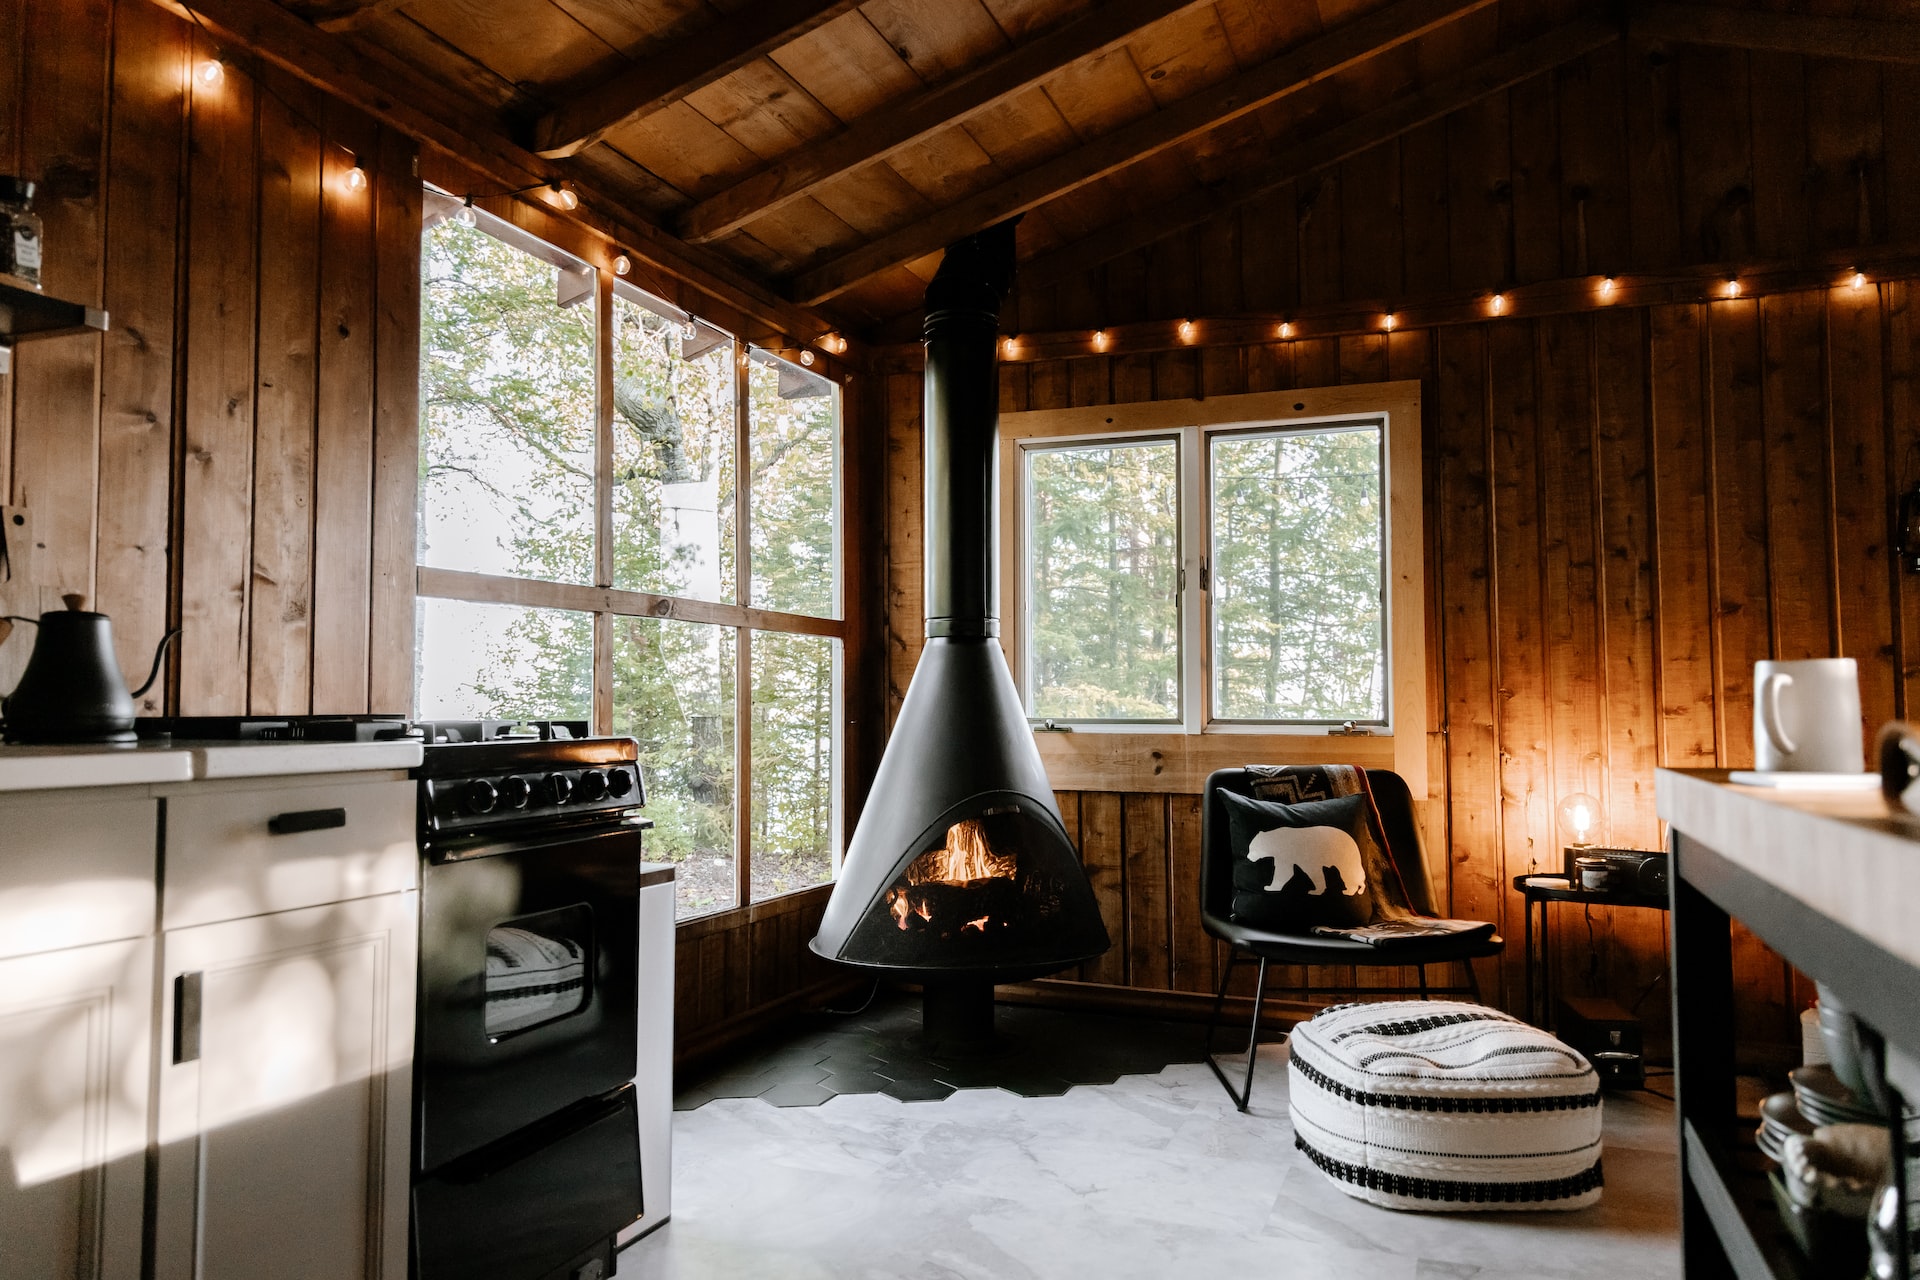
point(528, 959)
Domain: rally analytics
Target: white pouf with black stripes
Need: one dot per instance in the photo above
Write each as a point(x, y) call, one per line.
point(1445, 1106)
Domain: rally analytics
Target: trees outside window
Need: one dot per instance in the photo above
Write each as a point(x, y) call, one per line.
point(585, 553)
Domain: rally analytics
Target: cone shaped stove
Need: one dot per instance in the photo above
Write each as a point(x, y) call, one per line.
point(961, 873)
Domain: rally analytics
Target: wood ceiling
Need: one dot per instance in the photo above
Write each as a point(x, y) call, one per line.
point(829, 149)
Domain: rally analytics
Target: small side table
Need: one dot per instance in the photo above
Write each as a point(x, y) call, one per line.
point(1543, 889)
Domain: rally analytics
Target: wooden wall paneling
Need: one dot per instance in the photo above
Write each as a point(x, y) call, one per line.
point(1223, 371)
point(905, 613)
point(1653, 158)
point(1846, 172)
point(343, 451)
point(1087, 380)
point(1901, 86)
point(1716, 169)
point(1132, 378)
point(1425, 266)
point(1779, 116)
point(1536, 180)
point(1101, 853)
point(1372, 218)
point(1595, 235)
point(1903, 449)
point(1269, 250)
point(1479, 195)
point(1526, 810)
point(1173, 275)
point(1799, 476)
point(1143, 823)
point(1124, 288)
point(1316, 363)
point(396, 426)
point(1318, 212)
point(1192, 947)
point(1863, 499)
point(1682, 518)
point(1221, 279)
point(1742, 556)
point(146, 133)
point(1014, 382)
point(1176, 375)
point(1363, 358)
point(280, 627)
point(1047, 387)
point(216, 485)
point(1629, 675)
point(1269, 366)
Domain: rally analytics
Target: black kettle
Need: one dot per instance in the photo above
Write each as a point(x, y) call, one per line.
point(71, 690)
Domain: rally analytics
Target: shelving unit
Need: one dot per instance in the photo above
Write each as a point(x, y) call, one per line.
point(26, 313)
point(1824, 879)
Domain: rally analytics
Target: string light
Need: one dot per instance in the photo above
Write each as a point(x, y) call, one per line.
point(806, 358)
point(1008, 346)
point(1859, 281)
point(210, 73)
point(356, 177)
point(563, 195)
point(1286, 328)
point(1390, 321)
point(1606, 287)
point(1499, 303)
point(743, 358)
point(1733, 288)
point(1099, 339)
point(465, 215)
point(622, 264)
point(1186, 331)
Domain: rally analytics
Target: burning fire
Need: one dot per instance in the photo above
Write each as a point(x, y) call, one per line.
point(980, 924)
point(967, 856)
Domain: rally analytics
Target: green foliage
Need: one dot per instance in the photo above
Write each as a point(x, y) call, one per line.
point(508, 423)
point(1297, 577)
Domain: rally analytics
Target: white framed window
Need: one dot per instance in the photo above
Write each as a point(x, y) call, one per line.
point(1224, 581)
point(631, 517)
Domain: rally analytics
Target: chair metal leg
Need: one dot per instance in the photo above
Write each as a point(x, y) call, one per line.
point(1245, 1092)
point(1423, 982)
point(1220, 999)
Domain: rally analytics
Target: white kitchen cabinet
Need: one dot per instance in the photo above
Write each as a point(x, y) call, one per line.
point(75, 1034)
point(285, 1094)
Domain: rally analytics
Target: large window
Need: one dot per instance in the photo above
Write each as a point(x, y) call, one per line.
point(1231, 566)
point(592, 549)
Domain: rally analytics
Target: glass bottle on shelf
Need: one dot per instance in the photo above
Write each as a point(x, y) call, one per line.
point(19, 232)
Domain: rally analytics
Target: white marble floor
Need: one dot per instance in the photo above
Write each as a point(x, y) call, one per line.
point(1153, 1176)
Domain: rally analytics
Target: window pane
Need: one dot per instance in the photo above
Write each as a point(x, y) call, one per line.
point(1103, 577)
point(794, 421)
point(673, 693)
point(672, 460)
point(1298, 610)
point(503, 661)
point(793, 717)
point(507, 400)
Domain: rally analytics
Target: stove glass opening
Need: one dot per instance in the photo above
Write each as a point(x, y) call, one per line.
point(537, 970)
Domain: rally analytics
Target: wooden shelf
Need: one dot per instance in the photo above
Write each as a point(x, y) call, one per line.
point(1733, 1191)
point(27, 313)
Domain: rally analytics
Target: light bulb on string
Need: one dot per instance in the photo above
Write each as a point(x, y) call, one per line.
point(563, 195)
point(1733, 288)
point(355, 177)
point(1186, 331)
point(1499, 304)
point(1008, 346)
point(1390, 321)
point(1859, 281)
point(465, 215)
point(806, 358)
point(1286, 329)
point(1099, 339)
point(622, 264)
point(1606, 287)
point(210, 73)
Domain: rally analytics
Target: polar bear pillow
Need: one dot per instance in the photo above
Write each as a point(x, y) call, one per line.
point(1299, 865)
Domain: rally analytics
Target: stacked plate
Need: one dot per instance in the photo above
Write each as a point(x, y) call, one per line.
point(1822, 1099)
point(1779, 1118)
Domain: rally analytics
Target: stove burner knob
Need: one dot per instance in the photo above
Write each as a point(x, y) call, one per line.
point(559, 788)
point(515, 792)
point(619, 782)
point(481, 797)
point(593, 785)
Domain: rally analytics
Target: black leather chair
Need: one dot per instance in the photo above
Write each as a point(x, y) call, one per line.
point(1395, 803)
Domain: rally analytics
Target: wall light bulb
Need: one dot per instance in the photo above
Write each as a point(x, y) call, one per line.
point(356, 179)
point(1186, 331)
point(563, 195)
point(1390, 321)
point(1499, 303)
point(1099, 339)
point(1859, 281)
point(210, 73)
point(1008, 346)
point(1733, 288)
point(1286, 329)
point(1606, 287)
point(622, 264)
point(806, 358)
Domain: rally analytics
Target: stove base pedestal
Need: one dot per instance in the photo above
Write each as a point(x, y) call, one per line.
point(957, 1015)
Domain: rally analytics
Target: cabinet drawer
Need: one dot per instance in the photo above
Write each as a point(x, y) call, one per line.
point(240, 850)
point(74, 870)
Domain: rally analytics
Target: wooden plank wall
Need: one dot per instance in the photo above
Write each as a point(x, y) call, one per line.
point(237, 457)
point(1625, 510)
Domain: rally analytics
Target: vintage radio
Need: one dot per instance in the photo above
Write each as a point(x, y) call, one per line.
point(1641, 871)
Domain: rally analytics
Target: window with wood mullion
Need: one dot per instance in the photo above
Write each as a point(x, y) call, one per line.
point(587, 548)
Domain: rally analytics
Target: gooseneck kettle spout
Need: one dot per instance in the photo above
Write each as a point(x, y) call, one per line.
point(72, 690)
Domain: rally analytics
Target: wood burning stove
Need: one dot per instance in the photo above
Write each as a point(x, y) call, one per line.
point(960, 873)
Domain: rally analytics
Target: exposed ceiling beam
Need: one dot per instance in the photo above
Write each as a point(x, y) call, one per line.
point(391, 95)
point(1354, 42)
point(1493, 75)
point(1814, 36)
point(352, 14)
point(680, 68)
point(897, 124)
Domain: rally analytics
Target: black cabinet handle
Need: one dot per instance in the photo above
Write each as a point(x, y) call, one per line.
point(287, 824)
point(186, 1018)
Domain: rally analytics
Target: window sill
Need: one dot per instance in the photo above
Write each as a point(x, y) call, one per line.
point(1180, 762)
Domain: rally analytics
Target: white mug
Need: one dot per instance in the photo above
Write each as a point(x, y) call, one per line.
point(1806, 717)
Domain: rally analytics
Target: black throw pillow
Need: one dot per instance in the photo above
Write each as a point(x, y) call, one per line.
point(1299, 865)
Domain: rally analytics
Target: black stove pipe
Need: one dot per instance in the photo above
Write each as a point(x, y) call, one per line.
point(962, 412)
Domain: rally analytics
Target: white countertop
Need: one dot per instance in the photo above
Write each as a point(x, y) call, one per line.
point(91, 765)
point(50, 768)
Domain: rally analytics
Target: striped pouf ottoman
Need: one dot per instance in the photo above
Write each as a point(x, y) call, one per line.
point(1444, 1106)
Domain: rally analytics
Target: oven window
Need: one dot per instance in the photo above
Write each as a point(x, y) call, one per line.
point(537, 970)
